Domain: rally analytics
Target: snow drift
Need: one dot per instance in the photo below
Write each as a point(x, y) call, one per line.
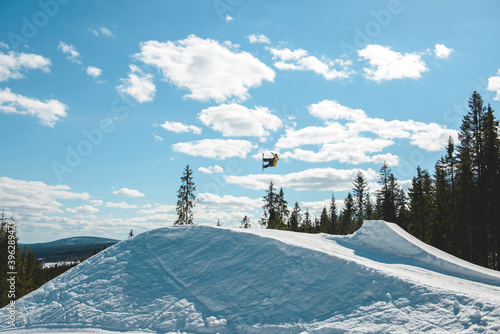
point(201, 279)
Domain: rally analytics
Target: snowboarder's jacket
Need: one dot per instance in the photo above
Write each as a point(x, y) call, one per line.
point(275, 159)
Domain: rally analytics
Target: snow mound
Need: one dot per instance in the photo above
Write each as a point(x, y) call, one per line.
point(392, 239)
point(200, 279)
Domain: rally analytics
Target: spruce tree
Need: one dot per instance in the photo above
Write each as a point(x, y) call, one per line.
point(347, 216)
point(295, 218)
point(390, 198)
point(306, 223)
point(270, 207)
point(324, 222)
point(186, 198)
point(421, 205)
point(282, 211)
point(333, 216)
point(360, 192)
point(131, 234)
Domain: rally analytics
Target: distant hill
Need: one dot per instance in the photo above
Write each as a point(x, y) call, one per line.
point(69, 249)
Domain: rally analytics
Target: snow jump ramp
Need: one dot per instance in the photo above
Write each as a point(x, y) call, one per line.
point(200, 279)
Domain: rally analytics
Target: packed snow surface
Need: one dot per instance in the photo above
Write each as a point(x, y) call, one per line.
point(200, 279)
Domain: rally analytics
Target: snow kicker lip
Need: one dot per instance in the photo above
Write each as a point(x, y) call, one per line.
point(392, 239)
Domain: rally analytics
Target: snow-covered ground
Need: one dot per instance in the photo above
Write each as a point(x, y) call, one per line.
point(200, 279)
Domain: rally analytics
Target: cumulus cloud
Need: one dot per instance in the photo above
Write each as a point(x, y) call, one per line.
point(258, 38)
point(178, 127)
point(138, 85)
point(386, 64)
point(332, 110)
point(236, 120)
point(83, 209)
point(211, 170)
point(347, 142)
point(229, 18)
point(70, 51)
point(121, 205)
point(209, 70)
point(94, 72)
point(48, 111)
point(34, 198)
point(442, 51)
point(494, 85)
point(128, 193)
point(350, 150)
point(13, 64)
point(215, 148)
point(311, 179)
point(227, 202)
point(300, 60)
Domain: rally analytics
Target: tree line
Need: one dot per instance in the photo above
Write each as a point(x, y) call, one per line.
point(456, 208)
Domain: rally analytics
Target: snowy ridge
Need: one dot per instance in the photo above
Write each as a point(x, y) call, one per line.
point(200, 279)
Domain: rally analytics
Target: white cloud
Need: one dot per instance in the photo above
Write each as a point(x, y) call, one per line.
point(300, 60)
point(12, 64)
point(494, 85)
point(106, 32)
point(236, 120)
point(328, 109)
point(258, 38)
point(33, 198)
point(227, 202)
point(387, 64)
point(83, 209)
point(348, 144)
point(4, 45)
point(311, 179)
point(158, 208)
point(48, 111)
point(128, 192)
point(178, 127)
point(313, 135)
point(229, 18)
point(211, 170)
point(442, 51)
point(157, 137)
point(70, 52)
point(138, 85)
point(209, 70)
point(351, 150)
point(121, 205)
point(215, 148)
point(94, 72)
point(102, 31)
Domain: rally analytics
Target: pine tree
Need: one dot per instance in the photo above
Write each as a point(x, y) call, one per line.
point(333, 217)
point(491, 186)
point(270, 207)
point(282, 211)
point(347, 216)
point(324, 222)
point(390, 198)
point(131, 234)
point(306, 223)
point(186, 198)
point(295, 218)
point(421, 205)
point(369, 210)
point(218, 222)
point(360, 192)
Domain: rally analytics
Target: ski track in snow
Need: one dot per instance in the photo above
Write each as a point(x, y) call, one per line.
point(200, 279)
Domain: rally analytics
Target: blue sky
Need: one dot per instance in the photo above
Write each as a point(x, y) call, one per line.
point(102, 104)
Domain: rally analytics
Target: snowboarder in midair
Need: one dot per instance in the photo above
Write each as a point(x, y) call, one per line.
point(271, 162)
